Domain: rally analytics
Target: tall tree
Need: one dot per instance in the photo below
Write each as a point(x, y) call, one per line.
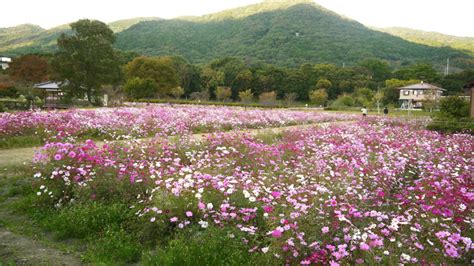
point(29, 69)
point(86, 59)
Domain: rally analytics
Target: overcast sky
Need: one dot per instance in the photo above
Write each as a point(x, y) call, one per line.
point(449, 17)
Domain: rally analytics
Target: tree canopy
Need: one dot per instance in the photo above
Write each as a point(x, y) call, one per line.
point(86, 58)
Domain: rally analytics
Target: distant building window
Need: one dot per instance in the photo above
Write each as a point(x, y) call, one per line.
point(406, 92)
point(420, 92)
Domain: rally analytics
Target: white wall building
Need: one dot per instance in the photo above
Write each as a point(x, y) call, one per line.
point(4, 62)
point(413, 96)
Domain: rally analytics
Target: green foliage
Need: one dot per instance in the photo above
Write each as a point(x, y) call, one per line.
point(158, 69)
point(246, 96)
point(454, 83)
point(115, 247)
point(433, 38)
point(449, 125)
point(86, 59)
point(318, 97)
point(212, 246)
point(363, 97)
point(267, 32)
point(19, 141)
point(424, 72)
point(344, 100)
point(88, 219)
point(323, 84)
point(137, 88)
point(453, 116)
point(223, 93)
point(177, 92)
point(379, 70)
point(454, 107)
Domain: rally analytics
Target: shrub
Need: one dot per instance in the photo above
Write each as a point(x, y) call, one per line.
point(116, 246)
point(137, 88)
point(268, 98)
point(212, 246)
point(454, 107)
point(318, 97)
point(246, 96)
point(223, 93)
point(177, 92)
point(84, 220)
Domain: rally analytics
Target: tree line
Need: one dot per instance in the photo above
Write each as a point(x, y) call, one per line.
point(89, 66)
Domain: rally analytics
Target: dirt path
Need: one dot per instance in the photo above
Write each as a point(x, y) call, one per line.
point(25, 155)
point(20, 250)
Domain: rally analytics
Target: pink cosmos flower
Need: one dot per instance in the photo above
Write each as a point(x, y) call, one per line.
point(267, 209)
point(276, 194)
point(58, 157)
point(201, 206)
point(189, 214)
point(325, 230)
point(276, 233)
point(174, 219)
point(364, 246)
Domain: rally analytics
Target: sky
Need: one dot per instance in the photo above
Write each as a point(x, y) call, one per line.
point(450, 17)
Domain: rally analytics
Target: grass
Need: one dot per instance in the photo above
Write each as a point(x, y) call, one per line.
point(20, 141)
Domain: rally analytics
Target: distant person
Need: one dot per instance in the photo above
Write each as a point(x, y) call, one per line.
point(364, 111)
point(385, 111)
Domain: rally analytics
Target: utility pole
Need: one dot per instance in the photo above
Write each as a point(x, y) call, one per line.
point(378, 99)
point(447, 68)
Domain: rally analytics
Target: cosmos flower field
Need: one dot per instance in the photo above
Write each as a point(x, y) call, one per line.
point(123, 122)
point(373, 191)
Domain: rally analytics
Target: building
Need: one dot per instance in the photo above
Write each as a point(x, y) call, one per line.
point(4, 62)
point(52, 94)
point(413, 96)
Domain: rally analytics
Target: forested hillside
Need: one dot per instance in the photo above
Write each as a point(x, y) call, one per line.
point(27, 38)
point(286, 33)
point(433, 38)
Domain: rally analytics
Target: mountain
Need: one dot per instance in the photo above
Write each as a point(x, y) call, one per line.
point(433, 38)
point(282, 32)
point(27, 38)
point(121, 25)
point(279, 32)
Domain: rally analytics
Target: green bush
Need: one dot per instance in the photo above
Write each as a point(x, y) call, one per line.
point(115, 247)
point(278, 104)
point(452, 125)
point(210, 246)
point(454, 107)
point(85, 220)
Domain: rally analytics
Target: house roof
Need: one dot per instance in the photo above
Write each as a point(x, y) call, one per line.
point(422, 86)
point(48, 85)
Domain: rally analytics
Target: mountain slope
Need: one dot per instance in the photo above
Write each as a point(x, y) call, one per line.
point(433, 38)
point(285, 33)
point(29, 38)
